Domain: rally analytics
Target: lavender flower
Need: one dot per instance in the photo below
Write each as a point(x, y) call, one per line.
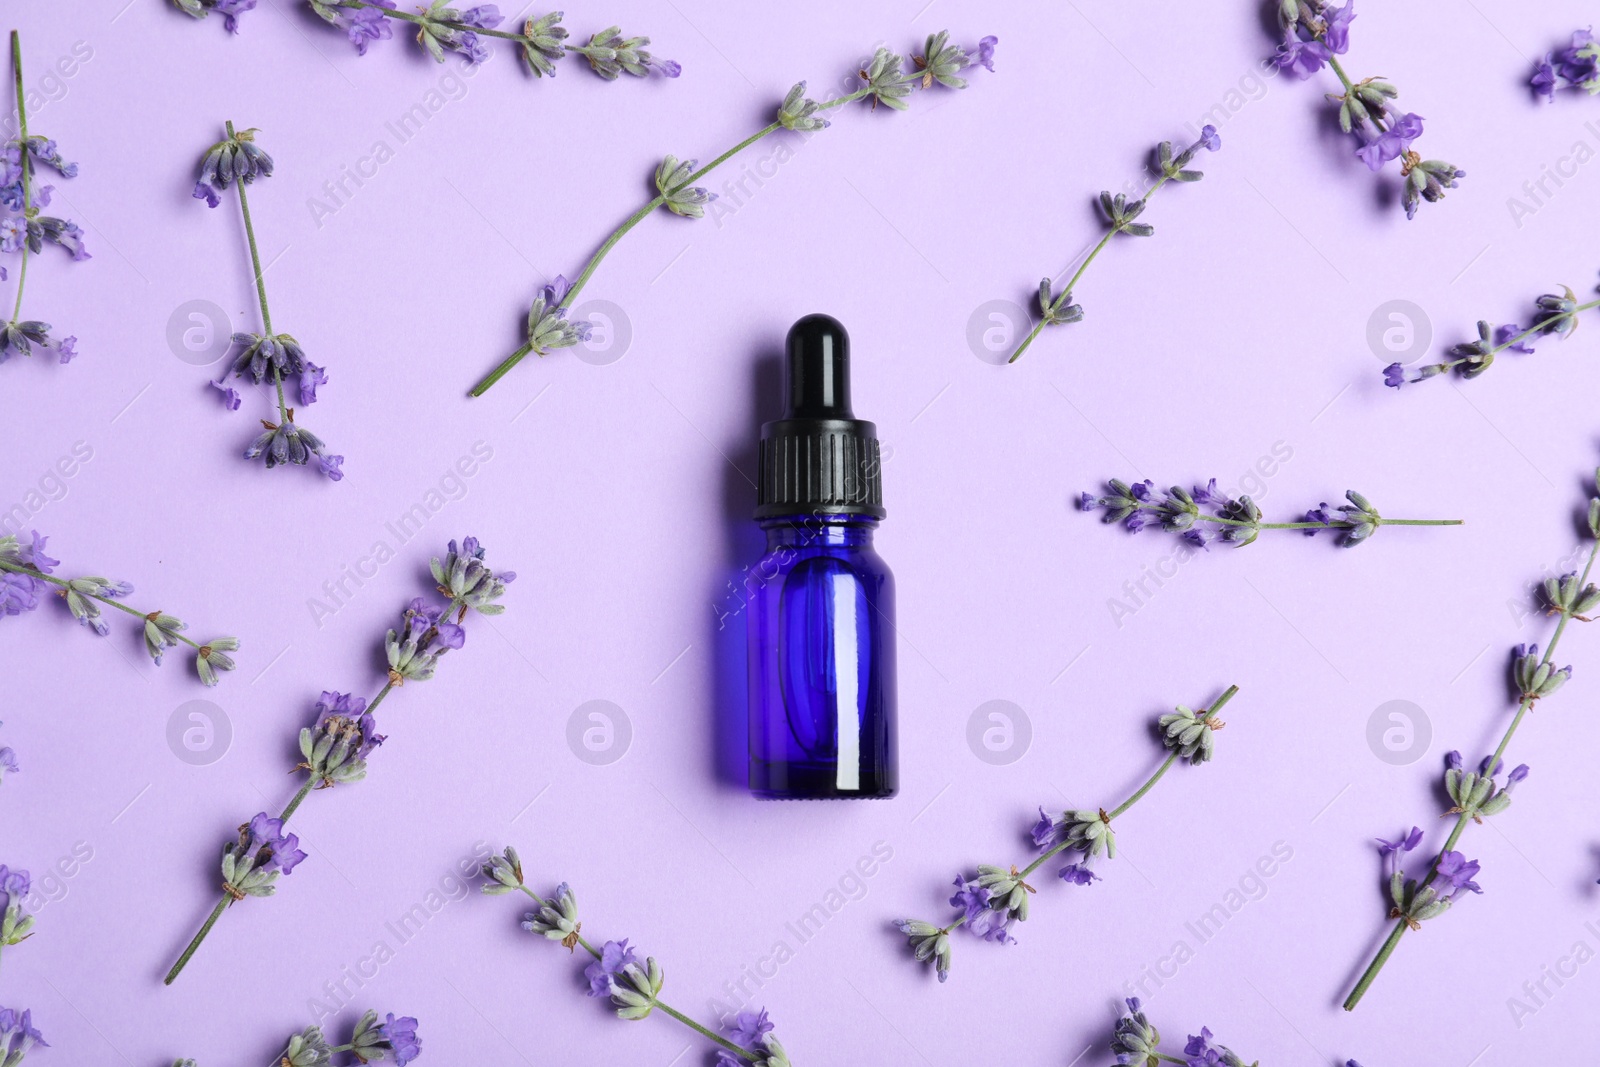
point(1575, 67)
point(1078, 874)
point(601, 974)
point(1121, 216)
point(268, 357)
point(883, 80)
point(990, 903)
point(504, 873)
point(1393, 851)
point(677, 195)
point(336, 747)
point(1135, 1040)
point(611, 55)
point(548, 328)
point(752, 1030)
point(393, 1039)
point(24, 231)
point(15, 926)
point(799, 112)
point(1479, 794)
point(230, 10)
point(17, 1036)
point(928, 942)
point(1190, 734)
point(1315, 34)
point(308, 1048)
point(1137, 508)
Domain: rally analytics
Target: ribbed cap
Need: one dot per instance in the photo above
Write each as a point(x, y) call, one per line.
point(819, 458)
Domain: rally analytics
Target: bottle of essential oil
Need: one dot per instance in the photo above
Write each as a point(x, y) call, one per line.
point(821, 618)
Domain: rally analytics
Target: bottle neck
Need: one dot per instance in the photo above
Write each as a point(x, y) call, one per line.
point(801, 531)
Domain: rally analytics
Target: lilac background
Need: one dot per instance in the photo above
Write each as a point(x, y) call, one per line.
point(621, 496)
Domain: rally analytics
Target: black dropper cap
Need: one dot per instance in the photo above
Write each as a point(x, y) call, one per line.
point(819, 458)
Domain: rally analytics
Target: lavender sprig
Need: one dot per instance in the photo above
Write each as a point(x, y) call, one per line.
point(18, 1036)
point(883, 82)
point(343, 732)
point(238, 161)
point(26, 573)
point(1121, 216)
point(1575, 67)
point(24, 230)
point(989, 903)
point(1554, 313)
point(1180, 511)
point(1315, 34)
point(1476, 795)
point(16, 926)
point(441, 27)
point(1137, 1043)
point(394, 1039)
point(634, 987)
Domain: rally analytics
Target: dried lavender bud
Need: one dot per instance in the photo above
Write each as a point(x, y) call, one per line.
point(556, 919)
point(543, 47)
point(610, 55)
point(927, 942)
point(634, 989)
point(548, 328)
point(886, 83)
point(308, 1048)
point(799, 112)
point(1190, 734)
point(504, 873)
point(678, 196)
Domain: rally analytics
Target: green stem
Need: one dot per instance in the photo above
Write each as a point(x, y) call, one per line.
point(1078, 274)
point(633, 220)
point(294, 805)
point(667, 1008)
point(1523, 707)
point(1331, 524)
point(261, 284)
point(27, 169)
point(33, 572)
point(194, 945)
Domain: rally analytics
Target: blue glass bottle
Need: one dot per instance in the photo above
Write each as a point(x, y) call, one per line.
point(821, 614)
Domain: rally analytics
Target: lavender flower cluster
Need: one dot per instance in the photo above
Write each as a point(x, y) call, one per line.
point(1576, 66)
point(16, 926)
point(1315, 34)
point(27, 573)
point(634, 986)
point(1554, 314)
point(393, 1039)
point(442, 28)
point(267, 357)
point(18, 1036)
point(24, 229)
point(989, 903)
point(1238, 522)
point(1136, 1042)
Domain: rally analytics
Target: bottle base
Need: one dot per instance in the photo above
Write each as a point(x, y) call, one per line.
point(816, 781)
